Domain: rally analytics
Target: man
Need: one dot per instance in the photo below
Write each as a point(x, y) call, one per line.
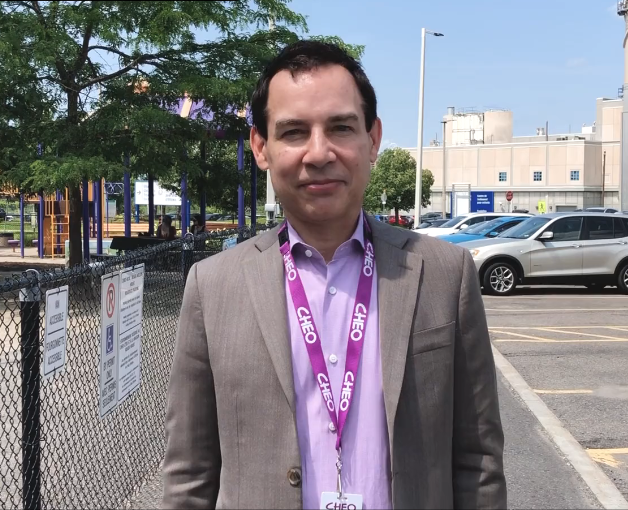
point(335, 346)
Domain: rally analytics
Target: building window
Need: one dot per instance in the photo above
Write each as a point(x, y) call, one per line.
point(538, 176)
point(575, 175)
point(502, 176)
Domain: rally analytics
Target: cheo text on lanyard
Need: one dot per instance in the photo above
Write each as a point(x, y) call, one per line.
point(311, 336)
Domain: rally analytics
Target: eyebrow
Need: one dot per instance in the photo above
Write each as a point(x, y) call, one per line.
point(344, 117)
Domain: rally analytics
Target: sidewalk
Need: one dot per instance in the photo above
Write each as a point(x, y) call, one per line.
point(13, 261)
point(149, 496)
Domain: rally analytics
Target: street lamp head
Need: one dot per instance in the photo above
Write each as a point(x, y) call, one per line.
point(438, 34)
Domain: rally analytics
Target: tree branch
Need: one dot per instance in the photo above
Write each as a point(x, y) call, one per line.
point(142, 59)
point(109, 49)
point(80, 61)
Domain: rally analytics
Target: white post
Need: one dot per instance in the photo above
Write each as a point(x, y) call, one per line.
point(444, 170)
point(271, 201)
point(419, 148)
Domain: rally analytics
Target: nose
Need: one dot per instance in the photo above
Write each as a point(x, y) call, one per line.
point(319, 151)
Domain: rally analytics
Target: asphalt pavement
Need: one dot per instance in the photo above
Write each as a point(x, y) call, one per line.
point(570, 347)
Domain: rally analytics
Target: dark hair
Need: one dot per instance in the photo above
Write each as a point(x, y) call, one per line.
point(304, 56)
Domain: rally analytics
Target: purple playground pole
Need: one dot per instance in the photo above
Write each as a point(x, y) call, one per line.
point(253, 195)
point(85, 221)
point(151, 206)
point(241, 218)
point(127, 197)
point(203, 192)
point(98, 216)
point(185, 221)
point(40, 223)
point(22, 225)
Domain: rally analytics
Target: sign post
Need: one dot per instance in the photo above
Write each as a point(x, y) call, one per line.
point(109, 312)
point(56, 331)
point(130, 328)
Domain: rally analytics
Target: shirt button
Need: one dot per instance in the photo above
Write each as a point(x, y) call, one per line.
point(294, 477)
point(333, 359)
point(308, 253)
point(332, 290)
point(332, 427)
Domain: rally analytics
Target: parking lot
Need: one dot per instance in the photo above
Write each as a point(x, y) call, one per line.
point(571, 348)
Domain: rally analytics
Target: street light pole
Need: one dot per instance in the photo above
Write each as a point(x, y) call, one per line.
point(271, 200)
point(419, 156)
point(444, 202)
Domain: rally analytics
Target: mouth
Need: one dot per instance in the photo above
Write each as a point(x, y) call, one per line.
point(322, 186)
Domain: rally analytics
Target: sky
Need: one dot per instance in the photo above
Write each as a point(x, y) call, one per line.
point(546, 60)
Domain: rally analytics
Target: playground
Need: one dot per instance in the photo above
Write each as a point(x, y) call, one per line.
point(38, 224)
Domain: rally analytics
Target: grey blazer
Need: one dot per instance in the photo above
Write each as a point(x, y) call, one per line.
point(230, 425)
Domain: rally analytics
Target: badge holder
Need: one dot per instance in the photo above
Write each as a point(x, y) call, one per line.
point(339, 500)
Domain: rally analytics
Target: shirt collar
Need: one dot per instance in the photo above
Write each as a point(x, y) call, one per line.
point(358, 234)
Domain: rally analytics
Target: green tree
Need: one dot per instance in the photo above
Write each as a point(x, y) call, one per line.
point(107, 78)
point(395, 173)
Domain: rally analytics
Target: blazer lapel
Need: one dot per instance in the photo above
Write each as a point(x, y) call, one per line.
point(265, 280)
point(398, 278)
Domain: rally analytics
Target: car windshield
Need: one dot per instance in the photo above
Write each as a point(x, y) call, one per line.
point(483, 228)
point(525, 229)
point(453, 222)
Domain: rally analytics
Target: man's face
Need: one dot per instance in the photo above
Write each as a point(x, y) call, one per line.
point(318, 151)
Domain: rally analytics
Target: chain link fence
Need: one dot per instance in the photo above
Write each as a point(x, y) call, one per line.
point(55, 450)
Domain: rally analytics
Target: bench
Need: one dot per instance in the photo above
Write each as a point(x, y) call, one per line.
point(14, 243)
point(122, 243)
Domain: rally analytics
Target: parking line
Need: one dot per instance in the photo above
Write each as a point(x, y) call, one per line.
point(529, 337)
point(555, 330)
point(569, 341)
point(561, 327)
point(607, 456)
point(563, 392)
point(618, 328)
point(519, 310)
point(554, 296)
point(600, 484)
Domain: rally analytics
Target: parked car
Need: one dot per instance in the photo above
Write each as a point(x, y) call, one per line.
point(608, 210)
point(433, 223)
point(584, 248)
point(488, 229)
point(458, 223)
point(404, 221)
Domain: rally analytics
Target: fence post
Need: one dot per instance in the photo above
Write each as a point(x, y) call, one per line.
point(187, 254)
point(31, 427)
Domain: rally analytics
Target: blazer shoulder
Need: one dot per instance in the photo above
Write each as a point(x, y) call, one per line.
point(222, 262)
point(446, 256)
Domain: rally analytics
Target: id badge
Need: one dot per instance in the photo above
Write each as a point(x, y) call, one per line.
point(331, 501)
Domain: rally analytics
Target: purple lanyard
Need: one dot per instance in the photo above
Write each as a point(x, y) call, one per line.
point(310, 333)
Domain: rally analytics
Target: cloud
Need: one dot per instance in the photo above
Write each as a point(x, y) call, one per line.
point(576, 62)
point(387, 144)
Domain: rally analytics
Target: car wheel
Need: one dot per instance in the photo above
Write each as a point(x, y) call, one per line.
point(500, 279)
point(622, 283)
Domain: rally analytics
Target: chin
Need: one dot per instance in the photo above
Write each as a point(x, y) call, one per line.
point(327, 212)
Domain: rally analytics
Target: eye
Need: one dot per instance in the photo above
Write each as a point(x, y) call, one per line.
point(343, 128)
point(291, 133)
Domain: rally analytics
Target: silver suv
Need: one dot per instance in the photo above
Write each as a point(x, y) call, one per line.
point(589, 249)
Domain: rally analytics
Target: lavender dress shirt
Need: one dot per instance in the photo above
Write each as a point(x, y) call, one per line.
point(331, 290)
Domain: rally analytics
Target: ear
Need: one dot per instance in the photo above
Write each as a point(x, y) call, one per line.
point(375, 135)
point(258, 146)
